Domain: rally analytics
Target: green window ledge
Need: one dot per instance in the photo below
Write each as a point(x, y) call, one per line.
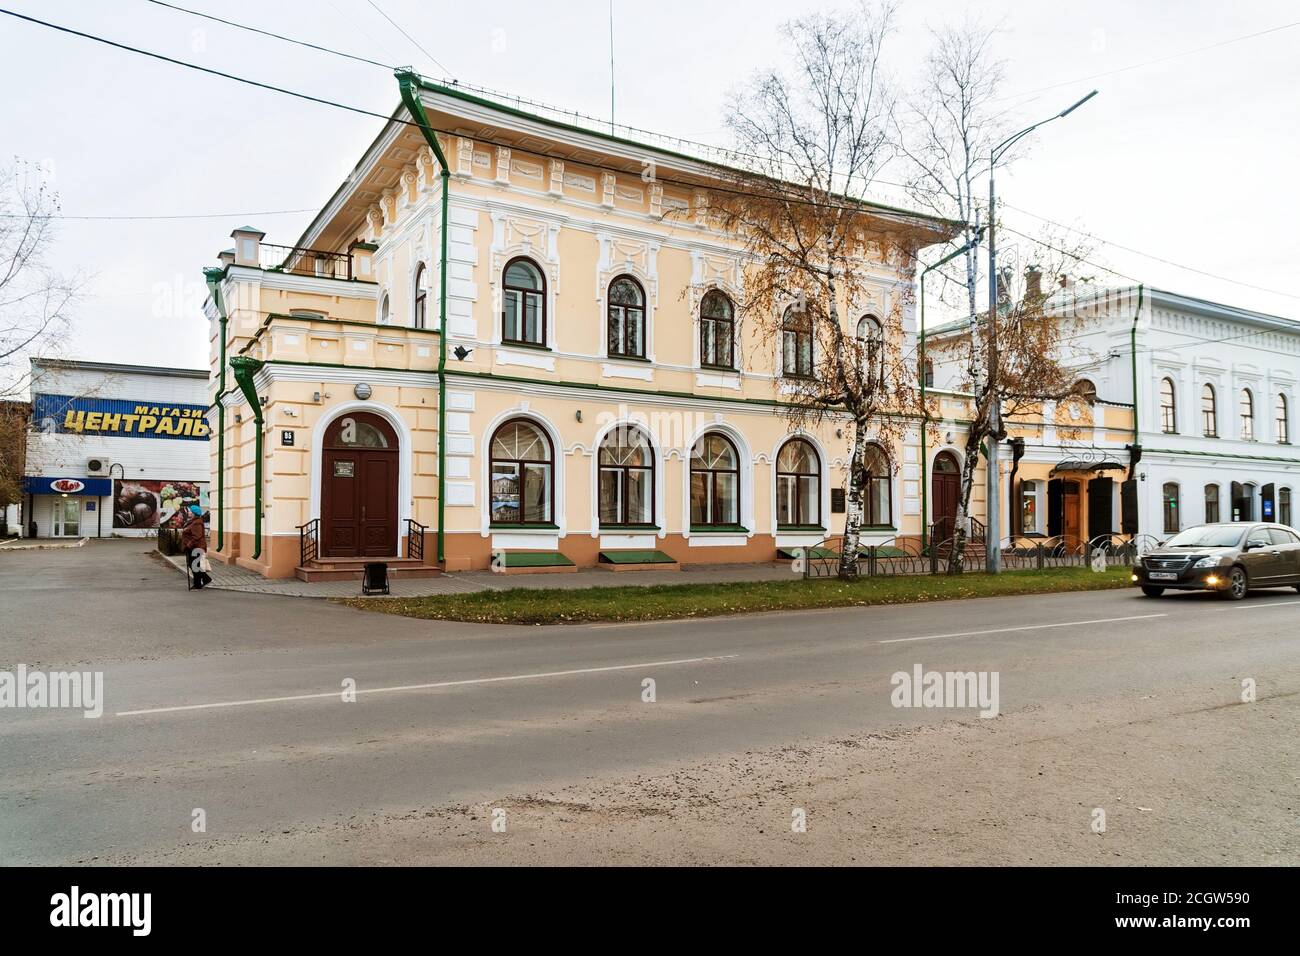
point(629, 528)
point(724, 528)
point(800, 528)
point(524, 527)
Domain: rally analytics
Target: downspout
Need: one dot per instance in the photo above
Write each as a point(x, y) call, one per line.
point(409, 84)
point(245, 368)
point(213, 277)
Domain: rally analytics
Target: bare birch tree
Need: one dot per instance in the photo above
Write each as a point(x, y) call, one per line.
point(951, 124)
point(812, 141)
point(35, 299)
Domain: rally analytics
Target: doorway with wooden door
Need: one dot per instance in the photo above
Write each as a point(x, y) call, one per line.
point(945, 485)
point(359, 481)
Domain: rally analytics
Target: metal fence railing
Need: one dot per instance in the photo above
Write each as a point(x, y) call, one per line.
point(901, 556)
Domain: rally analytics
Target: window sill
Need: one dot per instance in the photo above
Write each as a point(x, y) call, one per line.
point(524, 527)
point(628, 528)
point(876, 527)
point(718, 368)
point(613, 357)
point(799, 528)
point(718, 529)
point(507, 343)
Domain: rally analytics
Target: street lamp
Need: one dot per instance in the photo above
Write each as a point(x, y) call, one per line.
point(925, 419)
point(993, 533)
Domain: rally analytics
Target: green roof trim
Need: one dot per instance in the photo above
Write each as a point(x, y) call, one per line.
point(1226, 454)
point(536, 559)
point(636, 557)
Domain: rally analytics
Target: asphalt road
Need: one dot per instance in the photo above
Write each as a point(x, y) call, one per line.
point(232, 703)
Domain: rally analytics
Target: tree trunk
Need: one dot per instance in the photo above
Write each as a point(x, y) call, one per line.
point(957, 556)
point(853, 507)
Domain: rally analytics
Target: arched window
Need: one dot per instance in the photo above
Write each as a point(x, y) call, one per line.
point(360, 430)
point(627, 478)
point(879, 505)
point(523, 474)
point(1280, 420)
point(717, 331)
point(715, 482)
point(871, 339)
point(383, 310)
point(1211, 504)
point(1169, 497)
point(523, 315)
point(798, 484)
point(927, 370)
point(1086, 389)
point(796, 344)
point(1284, 506)
point(625, 315)
point(1209, 412)
point(418, 318)
point(1246, 409)
point(1168, 407)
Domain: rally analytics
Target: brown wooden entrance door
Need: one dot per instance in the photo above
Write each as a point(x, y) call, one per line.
point(359, 488)
point(1070, 510)
point(943, 496)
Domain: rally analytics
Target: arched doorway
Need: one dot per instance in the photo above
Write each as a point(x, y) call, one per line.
point(359, 474)
point(944, 490)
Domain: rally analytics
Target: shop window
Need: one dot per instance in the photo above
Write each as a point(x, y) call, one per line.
point(715, 482)
point(1170, 498)
point(627, 478)
point(798, 484)
point(522, 475)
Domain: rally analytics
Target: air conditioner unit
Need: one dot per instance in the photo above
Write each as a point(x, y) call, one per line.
point(97, 467)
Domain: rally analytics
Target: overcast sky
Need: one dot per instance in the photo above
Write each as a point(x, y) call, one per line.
point(1190, 159)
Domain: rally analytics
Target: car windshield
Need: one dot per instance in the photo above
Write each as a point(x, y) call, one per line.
point(1206, 537)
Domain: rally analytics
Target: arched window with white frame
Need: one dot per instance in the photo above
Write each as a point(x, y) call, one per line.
point(798, 485)
point(419, 317)
point(627, 478)
point(523, 303)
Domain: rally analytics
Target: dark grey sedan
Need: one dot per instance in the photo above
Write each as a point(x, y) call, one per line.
point(1231, 559)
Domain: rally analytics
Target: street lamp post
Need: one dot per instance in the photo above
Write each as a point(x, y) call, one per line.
point(993, 533)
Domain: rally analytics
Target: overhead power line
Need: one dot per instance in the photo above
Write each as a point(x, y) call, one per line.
point(268, 33)
point(1146, 63)
point(418, 45)
point(208, 215)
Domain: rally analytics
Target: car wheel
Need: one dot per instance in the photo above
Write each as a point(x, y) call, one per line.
point(1152, 592)
point(1237, 585)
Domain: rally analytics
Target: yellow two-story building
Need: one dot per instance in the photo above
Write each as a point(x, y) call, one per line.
point(600, 396)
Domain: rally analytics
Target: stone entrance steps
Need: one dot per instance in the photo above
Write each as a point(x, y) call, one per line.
point(350, 569)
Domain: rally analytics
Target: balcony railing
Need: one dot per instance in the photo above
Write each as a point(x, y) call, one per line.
point(306, 262)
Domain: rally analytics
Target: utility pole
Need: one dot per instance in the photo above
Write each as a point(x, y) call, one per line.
point(992, 478)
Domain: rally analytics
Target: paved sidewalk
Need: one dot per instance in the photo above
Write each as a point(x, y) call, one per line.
point(228, 577)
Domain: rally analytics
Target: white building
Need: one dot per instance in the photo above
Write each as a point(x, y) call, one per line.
point(1216, 388)
point(113, 449)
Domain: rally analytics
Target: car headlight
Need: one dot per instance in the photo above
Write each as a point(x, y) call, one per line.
point(1210, 562)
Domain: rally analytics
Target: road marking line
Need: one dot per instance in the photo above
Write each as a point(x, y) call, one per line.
point(1251, 607)
point(433, 686)
point(1027, 627)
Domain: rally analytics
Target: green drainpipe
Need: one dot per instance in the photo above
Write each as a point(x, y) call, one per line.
point(213, 277)
point(245, 368)
point(409, 83)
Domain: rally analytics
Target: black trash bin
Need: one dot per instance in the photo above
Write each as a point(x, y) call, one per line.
point(374, 579)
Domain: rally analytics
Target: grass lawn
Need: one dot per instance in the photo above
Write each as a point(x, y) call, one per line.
point(667, 601)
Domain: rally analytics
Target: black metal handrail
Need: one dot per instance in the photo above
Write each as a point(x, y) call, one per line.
point(306, 262)
point(308, 542)
point(415, 539)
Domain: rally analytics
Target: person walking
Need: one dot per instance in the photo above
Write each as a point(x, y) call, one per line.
point(194, 542)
